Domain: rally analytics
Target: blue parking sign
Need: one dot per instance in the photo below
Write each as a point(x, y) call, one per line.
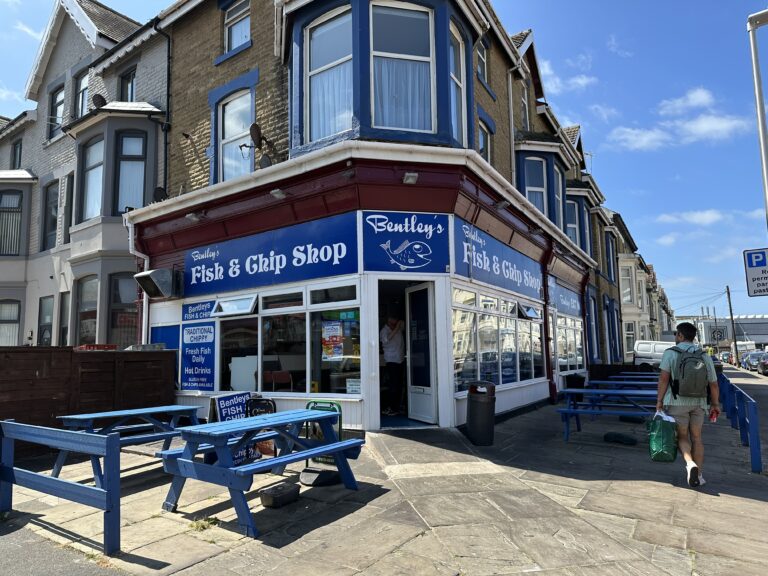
point(756, 269)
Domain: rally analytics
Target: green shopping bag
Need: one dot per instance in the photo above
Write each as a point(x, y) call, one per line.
point(663, 438)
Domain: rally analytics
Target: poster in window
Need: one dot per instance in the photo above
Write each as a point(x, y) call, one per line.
point(332, 339)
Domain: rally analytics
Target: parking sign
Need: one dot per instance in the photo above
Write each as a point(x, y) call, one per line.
point(756, 269)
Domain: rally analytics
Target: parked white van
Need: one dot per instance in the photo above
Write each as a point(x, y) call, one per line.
point(649, 352)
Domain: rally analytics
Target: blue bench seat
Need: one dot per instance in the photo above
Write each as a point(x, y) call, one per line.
point(351, 449)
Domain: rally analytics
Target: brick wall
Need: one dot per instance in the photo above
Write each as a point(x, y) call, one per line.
point(197, 41)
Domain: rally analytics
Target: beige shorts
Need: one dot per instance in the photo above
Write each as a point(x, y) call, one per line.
point(686, 416)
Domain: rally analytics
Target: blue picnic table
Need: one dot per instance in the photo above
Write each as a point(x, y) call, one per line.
point(638, 384)
point(227, 438)
point(156, 423)
point(603, 402)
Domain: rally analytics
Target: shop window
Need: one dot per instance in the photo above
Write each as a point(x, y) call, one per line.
point(458, 83)
point(403, 68)
point(239, 354)
point(524, 114)
point(537, 350)
point(63, 319)
point(593, 327)
point(10, 223)
point(290, 300)
point(329, 75)
point(56, 114)
point(128, 86)
point(81, 97)
point(235, 157)
point(536, 183)
point(508, 348)
point(488, 334)
point(87, 302)
point(131, 167)
point(484, 141)
point(235, 306)
point(334, 294)
point(9, 322)
point(558, 198)
point(16, 155)
point(45, 321)
point(464, 349)
point(482, 62)
point(237, 25)
point(627, 295)
point(284, 353)
point(335, 351)
point(526, 350)
point(464, 297)
point(562, 345)
point(50, 215)
point(572, 221)
point(93, 180)
point(123, 310)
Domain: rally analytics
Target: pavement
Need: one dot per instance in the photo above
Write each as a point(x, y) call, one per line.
point(431, 503)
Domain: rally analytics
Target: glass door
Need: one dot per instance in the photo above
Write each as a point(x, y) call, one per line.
point(420, 348)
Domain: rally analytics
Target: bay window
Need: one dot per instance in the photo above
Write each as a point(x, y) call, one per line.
point(131, 166)
point(329, 75)
point(123, 311)
point(93, 180)
point(87, 316)
point(627, 296)
point(572, 221)
point(558, 198)
point(9, 322)
point(10, 222)
point(536, 183)
point(403, 67)
point(458, 82)
point(45, 321)
point(235, 159)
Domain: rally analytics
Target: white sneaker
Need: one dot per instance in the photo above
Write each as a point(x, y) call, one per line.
point(693, 474)
point(701, 481)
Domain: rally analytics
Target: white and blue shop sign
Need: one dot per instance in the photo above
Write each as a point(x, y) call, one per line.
point(566, 301)
point(317, 249)
point(481, 257)
point(404, 242)
point(198, 356)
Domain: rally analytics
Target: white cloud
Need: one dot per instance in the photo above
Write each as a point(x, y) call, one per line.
point(639, 138)
point(613, 46)
point(581, 62)
point(723, 254)
point(679, 282)
point(7, 95)
point(557, 85)
point(694, 98)
point(709, 128)
point(699, 217)
point(605, 113)
point(11, 3)
point(21, 27)
point(756, 214)
point(667, 239)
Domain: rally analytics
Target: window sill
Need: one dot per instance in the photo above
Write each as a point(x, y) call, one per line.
point(504, 387)
point(234, 52)
point(53, 140)
point(95, 221)
point(488, 89)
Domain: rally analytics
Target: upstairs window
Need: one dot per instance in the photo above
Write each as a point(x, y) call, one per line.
point(458, 82)
point(536, 183)
point(93, 181)
point(56, 115)
point(588, 233)
point(87, 313)
point(484, 142)
point(9, 322)
point(50, 216)
point(234, 138)
point(610, 256)
point(45, 321)
point(558, 198)
point(403, 68)
point(640, 294)
point(572, 221)
point(237, 24)
point(16, 155)
point(482, 62)
point(329, 77)
point(524, 106)
point(81, 99)
point(627, 296)
point(131, 162)
point(10, 223)
point(128, 86)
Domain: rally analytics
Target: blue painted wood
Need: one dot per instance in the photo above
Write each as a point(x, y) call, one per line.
point(111, 484)
point(218, 474)
point(81, 442)
point(72, 491)
point(282, 460)
point(206, 448)
point(170, 409)
point(6, 463)
point(755, 454)
point(220, 430)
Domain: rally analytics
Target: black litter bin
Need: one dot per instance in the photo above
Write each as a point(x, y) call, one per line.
point(481, 413)
point(575, 381)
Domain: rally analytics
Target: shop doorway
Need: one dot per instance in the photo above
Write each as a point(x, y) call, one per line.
point(408, 392)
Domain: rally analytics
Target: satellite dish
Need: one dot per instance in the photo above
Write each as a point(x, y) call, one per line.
point(160, 194)
point(256, 136)
point(265, 161)
point(98, 100)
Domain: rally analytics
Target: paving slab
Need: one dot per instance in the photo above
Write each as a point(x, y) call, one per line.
point(727, 546)
point(483, 550)
point(661, 534)
point(166, 556)
point(629, 506)
point(450, 510)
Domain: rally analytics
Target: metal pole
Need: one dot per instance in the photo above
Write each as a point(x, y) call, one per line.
point(717, 334)
point(754, 21)
point(733, 325)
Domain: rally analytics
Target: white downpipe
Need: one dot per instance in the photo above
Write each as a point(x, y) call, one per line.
point(512, 159)
point(754, 22)
point(145, 302)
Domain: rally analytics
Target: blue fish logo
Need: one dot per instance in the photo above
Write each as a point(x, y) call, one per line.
point(409, 254)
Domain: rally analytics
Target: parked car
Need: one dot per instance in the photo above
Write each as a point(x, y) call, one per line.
point(753, 358)
point(726, 357)
point(649, 352)
point(762, 365)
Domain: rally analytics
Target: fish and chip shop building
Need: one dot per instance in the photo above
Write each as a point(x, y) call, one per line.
point(292, 310)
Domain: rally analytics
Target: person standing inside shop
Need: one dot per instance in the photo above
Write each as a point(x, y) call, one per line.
point(393, 345)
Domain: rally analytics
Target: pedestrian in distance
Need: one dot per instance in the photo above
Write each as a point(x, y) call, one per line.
point(687, 375)
point(393, 345)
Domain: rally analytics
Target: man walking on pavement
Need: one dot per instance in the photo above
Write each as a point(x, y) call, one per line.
point(686, 369)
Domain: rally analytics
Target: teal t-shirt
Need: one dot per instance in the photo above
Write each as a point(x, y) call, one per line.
point(669, 364)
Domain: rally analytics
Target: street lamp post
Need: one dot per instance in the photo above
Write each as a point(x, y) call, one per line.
point(755, 21)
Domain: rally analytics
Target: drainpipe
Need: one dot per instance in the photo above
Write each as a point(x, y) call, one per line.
point(145, 301)
point(167, 125)
point(548, 254)
point(512, 159)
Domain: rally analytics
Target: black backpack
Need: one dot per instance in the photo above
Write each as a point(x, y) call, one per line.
point(691, 371)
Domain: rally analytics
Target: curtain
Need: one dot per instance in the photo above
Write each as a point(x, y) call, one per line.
point(331, 101)
point(402, 94)
point(131, 185)
point(10, 224)
point(537, 199)
point(92, 200)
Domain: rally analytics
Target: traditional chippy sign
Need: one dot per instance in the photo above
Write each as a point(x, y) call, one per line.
point(326, 247)
point(198, 356)
point(406, 242)
point(756, 269)
point(565, 300)
point(481, 257)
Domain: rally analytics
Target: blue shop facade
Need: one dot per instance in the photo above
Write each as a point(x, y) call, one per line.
point(294, 314)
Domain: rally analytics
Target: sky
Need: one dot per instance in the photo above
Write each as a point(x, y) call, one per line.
point(664, 94)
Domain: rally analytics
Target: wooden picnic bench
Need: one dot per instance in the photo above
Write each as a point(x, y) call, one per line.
point(223, 439)
point(604, 402)
point(158, 423)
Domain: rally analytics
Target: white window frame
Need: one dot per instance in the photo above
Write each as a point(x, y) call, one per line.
point(588, 232)
point(641, 295)
point(537, 188)
point(220, 142)
point(558, 197)
point(16, 322)
point(431, 60)
point(309, 73)
point(249, 304)
point(630, 282)
point(610, 255)
point(482, 62)
point(462, 84)
point(484, 130)
point(593, 328)
point(575, 225)
point(329, 285)
point(230, 21)
point(81, 100)
point(629, 331)
point(524, 111)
